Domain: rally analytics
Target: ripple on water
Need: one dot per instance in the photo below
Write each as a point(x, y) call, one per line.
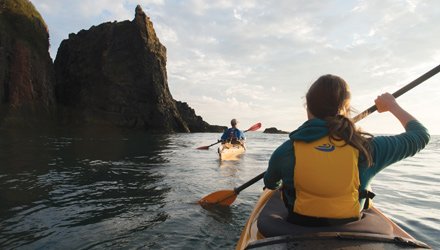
point(137, 190)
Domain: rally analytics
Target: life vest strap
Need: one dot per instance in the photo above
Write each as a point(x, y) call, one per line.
point(367, 195)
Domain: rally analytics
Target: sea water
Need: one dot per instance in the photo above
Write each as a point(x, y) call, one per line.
point(96, 189)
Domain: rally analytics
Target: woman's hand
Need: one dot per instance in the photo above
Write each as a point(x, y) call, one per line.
point(387, 102)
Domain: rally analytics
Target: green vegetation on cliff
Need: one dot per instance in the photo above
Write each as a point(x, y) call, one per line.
point(20, 19)
point(27, 77)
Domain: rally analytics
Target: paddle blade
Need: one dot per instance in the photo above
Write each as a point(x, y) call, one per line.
point(222, 198)
point(255, 127)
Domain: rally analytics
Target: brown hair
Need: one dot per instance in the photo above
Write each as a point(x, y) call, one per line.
point(329, 99)
point(234, 122)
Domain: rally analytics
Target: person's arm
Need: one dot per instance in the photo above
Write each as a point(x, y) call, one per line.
point(390, 149)
point(387, 102)
point(272, 175)
point(280, 161)
point(241, 135)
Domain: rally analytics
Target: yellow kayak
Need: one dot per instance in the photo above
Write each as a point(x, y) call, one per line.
point(229, 152)
point(267, 228)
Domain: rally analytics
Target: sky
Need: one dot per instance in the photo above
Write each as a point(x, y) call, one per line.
point(255, 60)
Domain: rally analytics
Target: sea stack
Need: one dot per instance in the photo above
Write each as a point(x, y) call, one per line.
point(115, 73)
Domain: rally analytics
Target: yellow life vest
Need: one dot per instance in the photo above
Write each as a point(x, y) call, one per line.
point(326, 178)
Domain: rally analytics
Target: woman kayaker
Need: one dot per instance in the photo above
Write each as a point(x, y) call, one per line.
point(326, 166)
point(233, 134)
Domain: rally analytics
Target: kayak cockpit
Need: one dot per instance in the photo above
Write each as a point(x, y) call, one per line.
point(273, 222)
point(268, 228)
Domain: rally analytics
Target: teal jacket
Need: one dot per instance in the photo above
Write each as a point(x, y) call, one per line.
point(386, 150)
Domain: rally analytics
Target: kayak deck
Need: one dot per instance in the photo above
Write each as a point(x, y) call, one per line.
point(267, 228)
point(230, 152)
point(336, 241)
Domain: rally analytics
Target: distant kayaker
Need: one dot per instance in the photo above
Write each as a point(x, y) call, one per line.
point(233, 134)
point(327, 165)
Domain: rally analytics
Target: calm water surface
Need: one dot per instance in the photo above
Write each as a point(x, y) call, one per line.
point(95, 189)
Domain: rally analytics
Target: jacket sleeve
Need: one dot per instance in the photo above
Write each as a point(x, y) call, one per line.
point(280, 162)
point(241, 135)
point(390, 149)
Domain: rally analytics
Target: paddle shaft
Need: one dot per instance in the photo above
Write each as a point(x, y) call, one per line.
point(237, 190)
point(214, 143)
point(221, 141)
point(359, 117)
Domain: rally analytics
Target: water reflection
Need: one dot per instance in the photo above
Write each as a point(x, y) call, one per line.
point(222, 214)
point(97, 188)
point(79, 179)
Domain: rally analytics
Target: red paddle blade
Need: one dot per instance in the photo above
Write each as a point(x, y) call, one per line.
point(203, 147)
point(222, 198)
point(255, 127)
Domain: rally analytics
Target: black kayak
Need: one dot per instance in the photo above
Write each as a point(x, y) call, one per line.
point(267, 228)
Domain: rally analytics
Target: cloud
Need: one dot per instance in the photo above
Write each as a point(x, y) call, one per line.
point(246, 91)
point(257, 58)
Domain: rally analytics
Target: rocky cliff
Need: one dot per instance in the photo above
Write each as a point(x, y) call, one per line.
point(116, 73)
point(196, 123)
point(112, 74)
point(26, 70)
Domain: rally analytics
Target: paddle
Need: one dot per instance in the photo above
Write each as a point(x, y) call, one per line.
point(253, 128)
point(227, 197)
